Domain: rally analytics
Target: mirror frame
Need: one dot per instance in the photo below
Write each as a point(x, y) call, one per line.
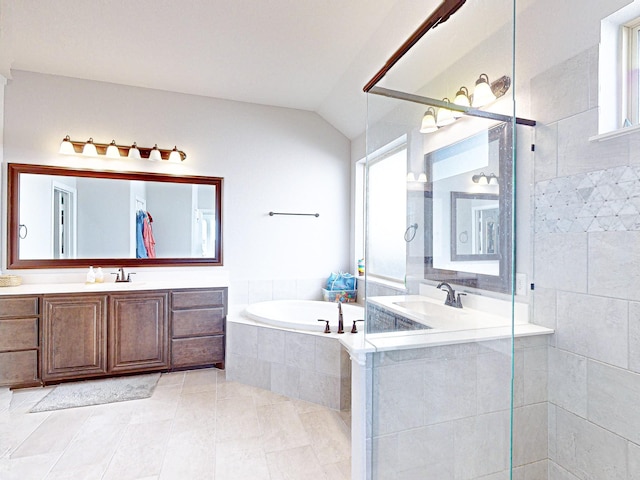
point(455, 256)
point(503, 134)
point(13, 218)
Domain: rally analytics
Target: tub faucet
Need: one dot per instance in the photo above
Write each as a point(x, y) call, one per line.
point(452, 300)
point(340, 319)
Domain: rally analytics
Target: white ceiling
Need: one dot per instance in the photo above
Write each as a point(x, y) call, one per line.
point(307, 54)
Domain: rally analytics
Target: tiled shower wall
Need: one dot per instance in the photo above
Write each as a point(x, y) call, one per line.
point(587, 276)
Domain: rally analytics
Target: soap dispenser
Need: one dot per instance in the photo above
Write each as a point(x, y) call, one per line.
point(99, 275)
point(91, 276)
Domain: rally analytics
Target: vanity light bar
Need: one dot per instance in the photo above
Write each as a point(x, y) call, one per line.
point(111, 150)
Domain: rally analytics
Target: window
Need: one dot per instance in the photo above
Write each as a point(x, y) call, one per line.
point(619, 63)
point(387, 212)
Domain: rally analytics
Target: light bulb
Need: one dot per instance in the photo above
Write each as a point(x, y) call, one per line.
point(482, 93)
point(462, 99)
point(174, 156)
point(445, 116)
point(134, 152)
point(428, 124)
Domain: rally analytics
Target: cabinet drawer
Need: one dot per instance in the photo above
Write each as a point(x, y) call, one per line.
point(18, 367)
point(18, 306)
point(187, 352)
point(203, 321)
point(199, 298)
point(18, 334)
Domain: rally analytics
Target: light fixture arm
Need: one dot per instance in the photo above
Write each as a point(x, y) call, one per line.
point(473, 112)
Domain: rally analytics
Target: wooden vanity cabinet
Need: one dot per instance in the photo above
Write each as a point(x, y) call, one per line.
point(74, 336)
point(54, 337)
point(198, 319)
point(138, 332)
point(19, 341)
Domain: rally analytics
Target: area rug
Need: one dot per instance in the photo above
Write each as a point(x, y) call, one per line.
point(97, 392)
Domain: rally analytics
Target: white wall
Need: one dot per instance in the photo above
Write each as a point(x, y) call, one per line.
point(271, 159)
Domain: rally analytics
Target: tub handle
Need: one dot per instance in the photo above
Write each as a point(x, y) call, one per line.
point(326, 328)
point(354, 329)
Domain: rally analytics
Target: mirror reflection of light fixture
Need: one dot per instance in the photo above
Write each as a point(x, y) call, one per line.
point(66, 147)
point(445, 116)
point(174, 156)
point(134, 152)
point(429, 121)
point(487, 178)
point(111, 150)
point(89, 149)
point(154, 154)
point(422, 177)
point(462, 99)
point(482, 93)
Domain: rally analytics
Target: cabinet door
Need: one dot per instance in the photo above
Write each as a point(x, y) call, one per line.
point(74, 340)
point(138, 332)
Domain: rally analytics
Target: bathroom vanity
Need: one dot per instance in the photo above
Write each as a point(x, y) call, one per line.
point(51, 333)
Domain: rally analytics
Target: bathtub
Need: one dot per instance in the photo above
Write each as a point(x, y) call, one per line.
point(304, 314)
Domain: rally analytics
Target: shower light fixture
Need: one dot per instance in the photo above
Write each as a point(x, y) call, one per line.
point(484, 92)
point(462, 99)
point(428, 124)
point(445, 116)
point(111, 150)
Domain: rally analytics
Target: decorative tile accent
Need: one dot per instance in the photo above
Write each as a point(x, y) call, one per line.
point(602, 200)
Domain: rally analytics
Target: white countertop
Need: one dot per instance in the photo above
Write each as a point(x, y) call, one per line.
point(111, 286)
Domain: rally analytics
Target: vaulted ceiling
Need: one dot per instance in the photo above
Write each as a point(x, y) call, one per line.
point(307, 54)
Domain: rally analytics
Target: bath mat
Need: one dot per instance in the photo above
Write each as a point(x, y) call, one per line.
point(97, 392)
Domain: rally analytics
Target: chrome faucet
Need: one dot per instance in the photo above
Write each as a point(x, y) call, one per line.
point(452, 299)
point(340, 319)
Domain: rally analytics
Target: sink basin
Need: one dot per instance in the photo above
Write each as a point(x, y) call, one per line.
point(425, 307)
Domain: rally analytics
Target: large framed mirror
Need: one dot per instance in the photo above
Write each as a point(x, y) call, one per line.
point(61, 217)
point(468, 211)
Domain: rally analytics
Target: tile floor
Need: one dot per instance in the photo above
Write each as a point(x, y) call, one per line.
point(195, 426)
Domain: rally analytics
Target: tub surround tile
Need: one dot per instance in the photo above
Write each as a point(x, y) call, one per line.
point(300, 350)
point(242, 339)
point(567, 252)
point(596, 327)
point(530, 434)
point(260, 290)
point(481, 445)
point(588, 450)
point(271, 345)
point(546, 154)
point(634, 336)
point(613, 399)
point(612, 255)
point(452, 389)
point(561, 91)
point(568, 381)
point(556, 472)
point(576, 154)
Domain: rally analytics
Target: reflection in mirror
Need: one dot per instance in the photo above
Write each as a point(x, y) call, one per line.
point(63, 217)
point(467, 211)
point(475, 223)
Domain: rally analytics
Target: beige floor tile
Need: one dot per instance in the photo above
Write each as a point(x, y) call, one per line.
point(34, 467)
point(190, 455)
point(338, 471)
point(329, 436)
point(203, 380)
point(237, 418)
point(140, 452)
point(171, 378)
point(241, 460)
point(92, 449)
point(54, 434)
point(210, 430)
point(282, 427)
point(295, 464)
point(235, 389)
